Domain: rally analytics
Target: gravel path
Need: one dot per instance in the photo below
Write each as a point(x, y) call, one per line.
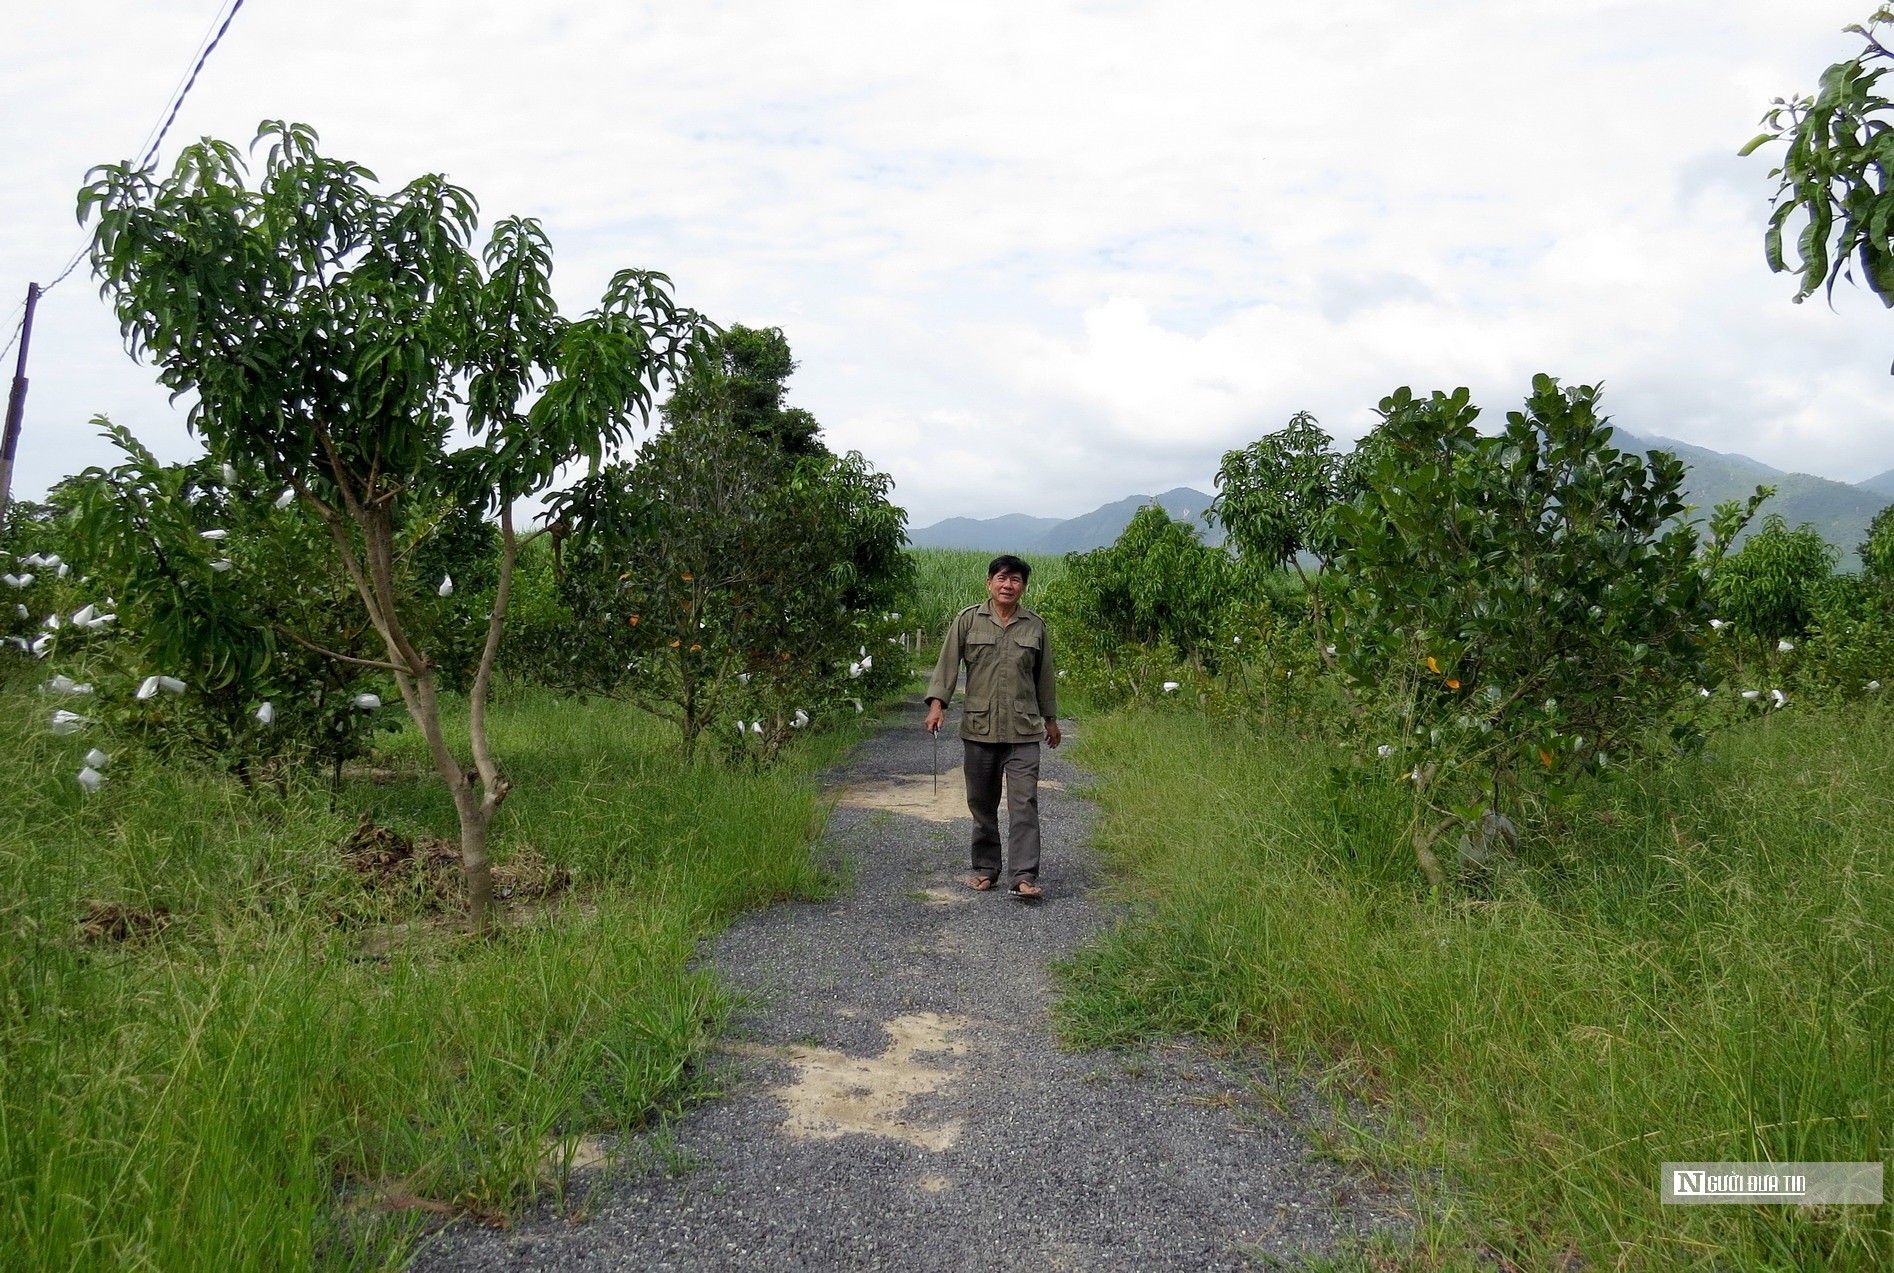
point(897, 1101)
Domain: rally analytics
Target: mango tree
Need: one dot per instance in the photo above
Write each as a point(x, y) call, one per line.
point(1273, 500)
point(1834, 206)
point(1273, 496)
point(1157, 583)
point(337, 339)
point(1768, 590)
point(743, 380)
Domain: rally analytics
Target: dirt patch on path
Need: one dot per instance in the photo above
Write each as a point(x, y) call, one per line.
point(914, 795)
point(920, 795)
point(836, 1094)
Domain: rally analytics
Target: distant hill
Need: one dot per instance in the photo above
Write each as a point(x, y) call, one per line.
point(1018, 533)
point(1840, 511)
point(1717, 467)
point(991, 534)
point(1102, 526)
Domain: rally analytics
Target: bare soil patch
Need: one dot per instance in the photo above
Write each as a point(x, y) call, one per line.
point(835, 1094)
point(427, 871)
point(117, 922)
point(916, 795)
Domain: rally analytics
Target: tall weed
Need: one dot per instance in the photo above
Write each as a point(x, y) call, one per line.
point(1698, 969)
point(254, 1067)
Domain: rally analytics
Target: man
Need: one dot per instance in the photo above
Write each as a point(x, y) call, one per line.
point(1011, 704)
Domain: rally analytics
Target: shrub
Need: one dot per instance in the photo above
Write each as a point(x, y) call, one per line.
point(215, 587)
point(1848, 652)
point(720, 579)
point(1768, 588)
point(1512, 612)
point(1159, 583)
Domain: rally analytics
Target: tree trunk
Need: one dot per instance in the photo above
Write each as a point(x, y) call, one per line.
point(473, 807)
point(374, 576)
point(1425, 858)
point(475, 867)
point(1425, 837)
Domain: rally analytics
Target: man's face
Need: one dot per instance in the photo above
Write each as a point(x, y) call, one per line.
point(1005, 588)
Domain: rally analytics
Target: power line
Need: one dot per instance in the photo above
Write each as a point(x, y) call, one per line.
point(16, 397)
point(213, 35)
point(151, 152)
point(211, 30)
point(18, 317)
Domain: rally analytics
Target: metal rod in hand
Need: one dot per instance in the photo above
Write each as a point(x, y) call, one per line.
point(936, 763)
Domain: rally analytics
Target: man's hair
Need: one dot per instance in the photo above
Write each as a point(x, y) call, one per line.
point(1007, 564)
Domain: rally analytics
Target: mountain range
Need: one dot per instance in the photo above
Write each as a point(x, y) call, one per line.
point(1018, 533)
point(1841, 511)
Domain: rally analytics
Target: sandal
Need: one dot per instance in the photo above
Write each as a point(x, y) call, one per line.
point(980, 883)
point(1025, 888)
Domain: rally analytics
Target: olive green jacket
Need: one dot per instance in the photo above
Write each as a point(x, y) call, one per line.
point(1010, 688)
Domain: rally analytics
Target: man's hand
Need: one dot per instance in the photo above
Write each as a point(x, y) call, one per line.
point(1052, 734)
point(936, 716)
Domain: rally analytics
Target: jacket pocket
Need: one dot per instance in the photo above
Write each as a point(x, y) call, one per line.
point(976, 721)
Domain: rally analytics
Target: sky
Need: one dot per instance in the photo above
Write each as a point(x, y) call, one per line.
point(1034, 257)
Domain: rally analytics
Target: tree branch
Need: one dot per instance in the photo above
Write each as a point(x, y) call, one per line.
point(420, 537)
point(339, 470)
point(495, 788)
point(322, 506)
point(378, 541)
point(352, 563)
point(306, 644)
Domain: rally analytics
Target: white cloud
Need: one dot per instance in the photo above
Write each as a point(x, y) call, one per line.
point(1032, 258)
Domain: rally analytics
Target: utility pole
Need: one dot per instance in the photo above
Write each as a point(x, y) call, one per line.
point(16, 404)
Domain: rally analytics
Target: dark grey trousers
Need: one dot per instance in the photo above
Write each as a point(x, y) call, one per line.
point(1018, 763)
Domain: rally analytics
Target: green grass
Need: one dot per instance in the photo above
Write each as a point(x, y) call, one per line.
point(1702, 969)
point(241, 1089)
point(947, 580)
